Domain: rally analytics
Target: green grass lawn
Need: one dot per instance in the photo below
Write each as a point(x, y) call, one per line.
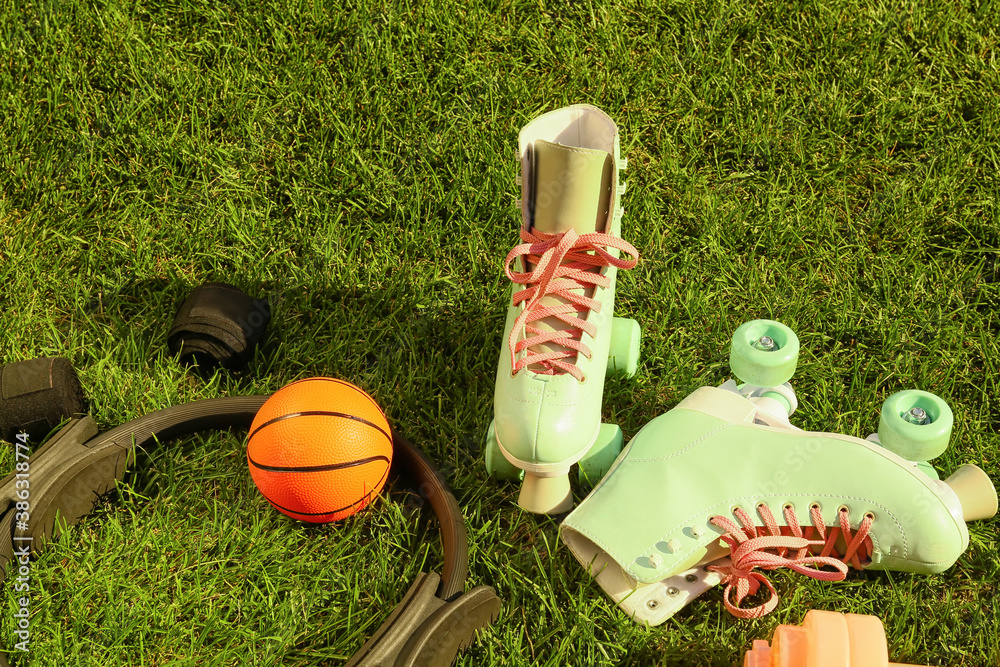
point(832, 165)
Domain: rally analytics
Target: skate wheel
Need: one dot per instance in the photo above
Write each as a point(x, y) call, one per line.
point(915, 425)
point(598, 461)
point(764, 353)
point(623, 356)
point(497, 464)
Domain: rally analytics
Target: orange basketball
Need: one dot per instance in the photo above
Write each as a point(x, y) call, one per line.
point(319, 449)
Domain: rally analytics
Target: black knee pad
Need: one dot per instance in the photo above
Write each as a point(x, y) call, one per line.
point(218, 325)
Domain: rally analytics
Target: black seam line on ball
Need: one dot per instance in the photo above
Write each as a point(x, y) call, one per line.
point(320, 413)
point(343, 383)
point(322, 468)
point(363, 498)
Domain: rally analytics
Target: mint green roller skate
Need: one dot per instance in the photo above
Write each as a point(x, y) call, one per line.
point(722, 487)
point(560, 337)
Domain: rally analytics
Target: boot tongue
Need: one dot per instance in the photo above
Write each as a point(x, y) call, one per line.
point(572, 188)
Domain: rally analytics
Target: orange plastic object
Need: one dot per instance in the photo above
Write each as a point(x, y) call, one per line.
point(825, 639)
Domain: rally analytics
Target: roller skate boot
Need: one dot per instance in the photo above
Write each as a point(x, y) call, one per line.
point(560, 337)
point(722, 488)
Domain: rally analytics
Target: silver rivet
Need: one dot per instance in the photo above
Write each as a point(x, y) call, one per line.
point(916, 415)
point(672, 592)
point(690, 578)
point(765, 344)
point(652, 604)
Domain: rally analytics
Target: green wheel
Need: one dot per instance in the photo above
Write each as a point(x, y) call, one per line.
point(915, 424)
point(497, 464)
point(624, 354)
point(764, 353)
point(598, 461)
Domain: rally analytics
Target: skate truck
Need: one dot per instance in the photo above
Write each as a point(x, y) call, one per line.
point(723, 488)
point(560, 337)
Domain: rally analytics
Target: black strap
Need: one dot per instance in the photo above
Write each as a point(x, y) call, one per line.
point(218, 325)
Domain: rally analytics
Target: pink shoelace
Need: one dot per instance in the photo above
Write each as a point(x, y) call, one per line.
point(768, 547)
point(562, 263)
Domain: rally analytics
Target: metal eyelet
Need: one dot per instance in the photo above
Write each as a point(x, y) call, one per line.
point(843, 508)
point(870, 515)
point(788, 506)
point(815, 506)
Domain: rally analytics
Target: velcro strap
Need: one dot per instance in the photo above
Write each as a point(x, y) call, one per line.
point(218, 324)
point(37, 395)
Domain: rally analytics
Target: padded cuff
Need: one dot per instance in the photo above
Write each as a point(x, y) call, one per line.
point(218, 324)
point(37, 395)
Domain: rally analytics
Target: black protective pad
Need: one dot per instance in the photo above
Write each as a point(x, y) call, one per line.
point(218, 324)
point(37, 395)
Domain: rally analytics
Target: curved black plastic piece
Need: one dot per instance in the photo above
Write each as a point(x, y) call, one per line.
point(426, 630)
point(432, 487)
point(450, 629)
point(37, 395)
point(218, 324)
point(67, 478)
point(74, 468)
